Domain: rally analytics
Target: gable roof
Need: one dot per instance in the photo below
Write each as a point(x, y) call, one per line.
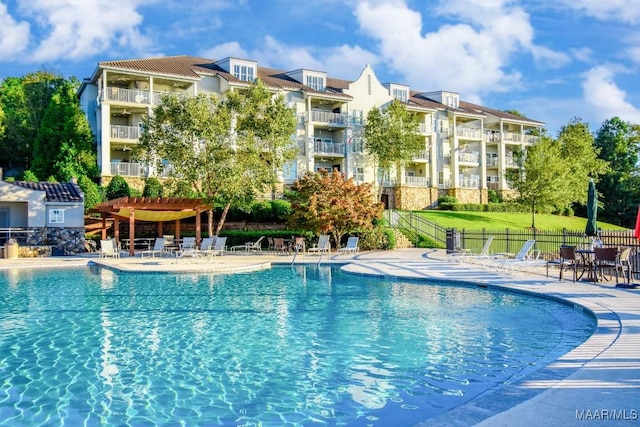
point(497, 113)
point(55, 191)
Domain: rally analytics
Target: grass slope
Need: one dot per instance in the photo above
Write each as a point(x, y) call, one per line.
point(511, 220)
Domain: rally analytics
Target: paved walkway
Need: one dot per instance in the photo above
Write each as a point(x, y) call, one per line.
point(598, 383)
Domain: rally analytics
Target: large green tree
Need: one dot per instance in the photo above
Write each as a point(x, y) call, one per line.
point(327, 203)
point(226, 149)
point(619, 145)
point(392, 137)
point(24, 101)
point(63, 147)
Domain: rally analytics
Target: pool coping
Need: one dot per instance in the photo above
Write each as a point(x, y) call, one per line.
point(597, 382)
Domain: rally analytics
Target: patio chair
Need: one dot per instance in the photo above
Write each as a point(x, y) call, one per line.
point(323, 245)
point(206, 244)
point(108, 249)
point(218, 246)
point(352, 246)
point(249, 246)
point(606, 260)
point(625, 262)
point(279, 245)
point(158, 248)
point(299, 245)
point(469, 256)
point(525, 259)
point(567, 261)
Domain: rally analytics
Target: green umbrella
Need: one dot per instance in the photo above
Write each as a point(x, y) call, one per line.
point(592, 211)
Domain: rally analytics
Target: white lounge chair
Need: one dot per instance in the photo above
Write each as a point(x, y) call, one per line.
point(158, 248)
point(108, 249)
point(525, 259)
point(217, 248)
point(468, 256)
point(323, 245)
point(352, 246)
point(188, 249)
point(249, 246)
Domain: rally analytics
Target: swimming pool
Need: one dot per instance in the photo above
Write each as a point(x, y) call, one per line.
point(287, 346)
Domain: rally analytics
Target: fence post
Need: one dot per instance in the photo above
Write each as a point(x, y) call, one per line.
point(451, 240)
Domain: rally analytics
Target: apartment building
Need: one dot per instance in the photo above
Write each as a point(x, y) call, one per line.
point(467, 147)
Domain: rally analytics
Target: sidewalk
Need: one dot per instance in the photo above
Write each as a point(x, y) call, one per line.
point(598, 383)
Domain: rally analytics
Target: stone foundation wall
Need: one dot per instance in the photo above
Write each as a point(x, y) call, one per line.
point(416, 198)
point(63, 241)
point(469, 195)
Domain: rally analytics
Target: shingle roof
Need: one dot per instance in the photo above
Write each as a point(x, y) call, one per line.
point(500, 114)
point(54, 191)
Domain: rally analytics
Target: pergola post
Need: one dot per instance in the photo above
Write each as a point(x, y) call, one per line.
point(103, 233)
point(132, 232)
point(197, 226)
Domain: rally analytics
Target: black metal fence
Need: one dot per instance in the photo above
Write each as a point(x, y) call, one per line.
point(510, 241)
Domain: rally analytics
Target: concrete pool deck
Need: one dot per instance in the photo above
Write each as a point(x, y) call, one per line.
point(598, 383)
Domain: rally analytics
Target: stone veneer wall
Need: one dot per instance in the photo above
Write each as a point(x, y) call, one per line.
point(67, 241)
point(415, 198)
point(468, 195)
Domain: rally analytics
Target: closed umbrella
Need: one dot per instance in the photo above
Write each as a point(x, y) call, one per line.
point(592, 211)
point(637, 230)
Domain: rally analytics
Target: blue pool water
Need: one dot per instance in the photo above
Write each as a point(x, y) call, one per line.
point(301, 346)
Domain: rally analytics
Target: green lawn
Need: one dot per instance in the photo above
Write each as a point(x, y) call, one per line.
point(511, 220)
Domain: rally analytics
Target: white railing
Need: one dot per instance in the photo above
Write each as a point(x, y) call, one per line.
point(423, 155)
point(336, 119)
point(468, 132)
point(510, 161)
point(424, 129)
point(469, 182)
point(125, 132)
point(469, 157)
point(127, 95)
point(530, 139)
point(328, 147)
point(417, 181)
point(492, 160)
point(445, 184)
point(492, 136)
point(127, 169)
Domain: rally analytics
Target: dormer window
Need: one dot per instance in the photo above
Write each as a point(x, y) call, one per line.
point(401, 95)
point(315, 82)
point(244, 72)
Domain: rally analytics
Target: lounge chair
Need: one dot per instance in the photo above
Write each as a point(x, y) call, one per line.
point(249, 246)
point(523, 260)
point(323, 245)
point(217, 248)
point(468, 256)
point(108, 249)
point(206, 244)
point(351, 248)
point(158, 248)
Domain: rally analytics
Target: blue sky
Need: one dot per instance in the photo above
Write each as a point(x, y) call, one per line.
point(550, 60)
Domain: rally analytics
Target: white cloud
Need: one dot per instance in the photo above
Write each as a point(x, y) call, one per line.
point(225, 50)
point(75, 29)
point(606, 99)
point(622, 10)
point(14, 36)
point(471, 57)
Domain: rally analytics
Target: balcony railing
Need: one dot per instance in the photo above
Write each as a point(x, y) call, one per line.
point(469, 182)
point(492, 160)
point(424, 129)
point(127, 95)
point(125, 132)
point(510, 161)
point(334, 119)
point(417, 181)
point(473, 133)
point(423, 155)
point(128, 169)
point(444, 184)
point(328, 148)
point(469, 157)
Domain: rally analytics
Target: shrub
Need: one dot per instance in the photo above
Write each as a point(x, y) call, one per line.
point(29, 176)
point(92, 193)
point(568, 211)
point(281, 210)
point(447, 199)
point(152, 187)
point(377, 238)
point(118, 187)
point(262, 212)
point(494, 197)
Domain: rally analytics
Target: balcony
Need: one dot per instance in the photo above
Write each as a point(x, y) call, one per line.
point(469, 181)
point(125, 133)
point(331, 119)
point(510, 161)
point(332, 148)
point(468, 133)
point(471, 158)
point(128, 169)
point(417, 181)
point(424, 129)
point(492, 160)
point(132, 96)
point(423, 155)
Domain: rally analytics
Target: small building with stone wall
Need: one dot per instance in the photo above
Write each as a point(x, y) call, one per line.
point(43, 215)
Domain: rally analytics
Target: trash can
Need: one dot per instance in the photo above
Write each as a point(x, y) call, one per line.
point(11, 249)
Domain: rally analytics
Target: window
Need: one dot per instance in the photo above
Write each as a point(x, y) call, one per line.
point(316, 83)
point(358, 174)
point(56, 216)
point(400, 94)
point(244, 72)
point(357, 145)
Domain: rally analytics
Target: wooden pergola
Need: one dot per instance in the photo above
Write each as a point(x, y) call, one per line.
point(160, 210)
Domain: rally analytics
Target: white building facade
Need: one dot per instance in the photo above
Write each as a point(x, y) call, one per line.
point(467, 147)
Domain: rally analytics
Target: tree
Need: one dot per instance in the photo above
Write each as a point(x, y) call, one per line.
point(541, 180)
point(64, 144)
point(391, 137)
point(117, 187)
point(152, 188)
point(619, 145)
point(92, 193)
point(326, 203)
point(226, 150)
point(24, 101)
